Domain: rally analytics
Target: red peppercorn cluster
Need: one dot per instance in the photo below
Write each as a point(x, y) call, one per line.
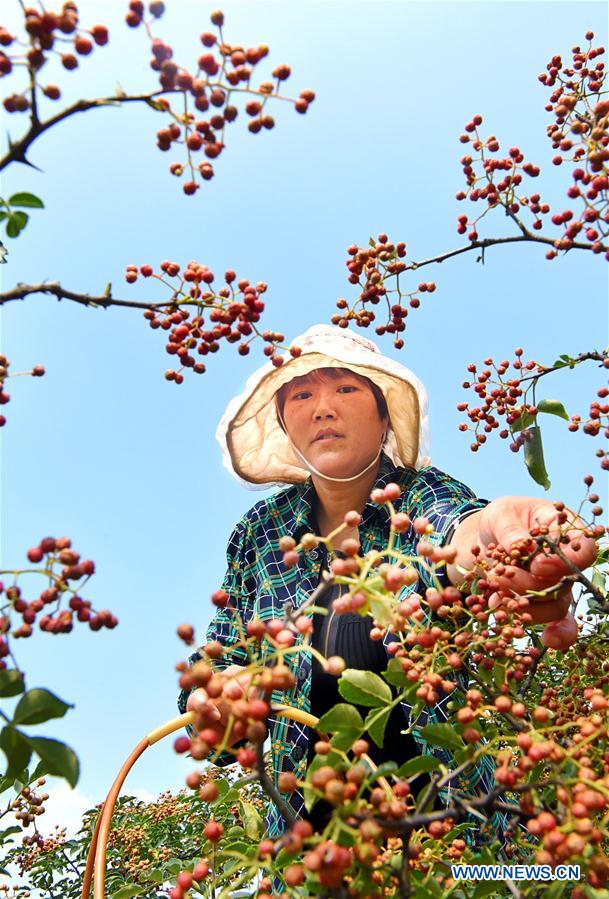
point(373, 268)
point(186, 879)
point(507, 398)
point(36, 372)
point(597, 421)
point(64, 568)
point(29, 805)
point(501, 397)
point(579, 133)
point(230, 313)
point(221, 70)
point(498, 182)
point(48, 33)
point(479, 628)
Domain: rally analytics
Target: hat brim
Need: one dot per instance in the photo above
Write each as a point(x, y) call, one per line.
point(256, 448)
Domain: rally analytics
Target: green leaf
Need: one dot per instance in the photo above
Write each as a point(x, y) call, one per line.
point(3, 215)
point(431, 888)
point(8, 833)
point(420, 765)
point(59, 758)
point(524, 420)
point(345, 739)
point(39, 705)
point(39, 771)
point(487, 888)
point(442, 735)
point(25, 199)
point(17, 750)
point(602, 557)
point(11, 683)
point(598, 579)
point(340, 718)
point(16, 223)
point(553, 407)
point(363, 688)
point(395, 674)
point(251, 820)
point(6, 783)
point(380, 609)
point(533, 457)
point(128, 891)
point(376, 722)
point(384, 769)
point(563, 360)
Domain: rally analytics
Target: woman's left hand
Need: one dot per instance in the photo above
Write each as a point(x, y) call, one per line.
point(508, 520)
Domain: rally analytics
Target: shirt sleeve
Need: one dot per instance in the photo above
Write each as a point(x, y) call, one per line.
point(445, 502)
point(239, 582)
point(226, 626)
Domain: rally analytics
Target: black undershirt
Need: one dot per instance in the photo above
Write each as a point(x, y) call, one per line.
point(348, 636)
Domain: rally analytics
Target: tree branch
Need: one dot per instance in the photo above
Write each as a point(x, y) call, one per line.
point(21, 291)
point(268, 786)
point(526, 237)
point(18, 150)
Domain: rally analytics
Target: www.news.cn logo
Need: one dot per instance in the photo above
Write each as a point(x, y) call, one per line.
point(514, 872)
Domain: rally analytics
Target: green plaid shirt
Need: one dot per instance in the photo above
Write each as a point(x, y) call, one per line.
point(260, 586)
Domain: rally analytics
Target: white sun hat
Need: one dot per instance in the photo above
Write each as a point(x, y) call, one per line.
point(256, 449)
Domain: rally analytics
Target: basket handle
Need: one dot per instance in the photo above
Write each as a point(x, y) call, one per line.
point(96, 859)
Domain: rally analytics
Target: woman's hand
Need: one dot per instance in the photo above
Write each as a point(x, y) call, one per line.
point(508, 520)
point(217, 711)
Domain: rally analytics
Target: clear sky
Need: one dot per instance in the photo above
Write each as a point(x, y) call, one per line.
point(104, 450)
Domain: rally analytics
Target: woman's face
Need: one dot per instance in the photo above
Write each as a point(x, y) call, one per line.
point(335, 423)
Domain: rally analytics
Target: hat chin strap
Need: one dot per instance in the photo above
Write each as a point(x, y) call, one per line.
point(327, 477)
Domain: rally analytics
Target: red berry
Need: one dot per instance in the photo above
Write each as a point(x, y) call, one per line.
point(213, 831)
point(182, 744)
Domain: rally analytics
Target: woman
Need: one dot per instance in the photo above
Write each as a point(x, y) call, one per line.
point(335, 422)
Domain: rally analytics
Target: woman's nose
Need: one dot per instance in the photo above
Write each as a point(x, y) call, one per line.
point(324, 408)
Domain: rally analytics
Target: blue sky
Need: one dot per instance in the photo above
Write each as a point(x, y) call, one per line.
point(104, 450)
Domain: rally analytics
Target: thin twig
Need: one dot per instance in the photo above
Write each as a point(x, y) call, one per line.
point(491, 242)
point(21, 291)
point(286, 811)
point(18, 150)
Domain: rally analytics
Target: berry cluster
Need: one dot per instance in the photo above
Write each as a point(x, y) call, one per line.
point(373, 268)
point(231, 313)
point(222, 73)
point(579, 133)
point(36, 372)
point(222, 70)
point(580, 129)
point(512, 398)
point(49, 34)
point(27, 806)
point(498, 182)
point(464, 644)
point(186, 879)
point(67, 574)
point(249, 709)
point(597, 421)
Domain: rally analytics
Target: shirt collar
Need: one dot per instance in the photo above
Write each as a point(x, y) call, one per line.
point(303, 513)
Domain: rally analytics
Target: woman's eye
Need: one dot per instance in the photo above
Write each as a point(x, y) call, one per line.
point(301, 394)
point(347, 387)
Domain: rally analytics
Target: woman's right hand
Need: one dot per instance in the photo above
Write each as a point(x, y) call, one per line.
point(218, 710)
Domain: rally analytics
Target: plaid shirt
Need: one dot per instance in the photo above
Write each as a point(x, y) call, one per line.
point(260, 586)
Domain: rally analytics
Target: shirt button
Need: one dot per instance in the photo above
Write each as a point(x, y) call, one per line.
point(302, 672)
point(314, 554)
point(298, 752)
